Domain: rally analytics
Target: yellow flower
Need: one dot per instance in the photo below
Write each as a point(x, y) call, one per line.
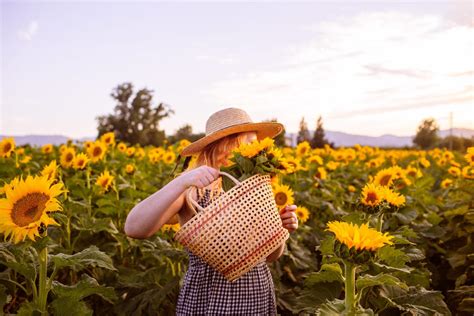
point(372, 195)
point(108, 139)
point(351, 188)
point(50, 170)
point(446, 183)
point(122, 147)
point(25, 159)
point(385, 177)
point(274, 152)
point(7, 146)
point(314, 159)
point(332, 165)
point(130, 151)
point(414, 172)
point(454, 171)
point(468, 172)
point(321, 174)
point(470, 158)
point(169, 157)
point(302, 213)
point(105, 180)
point(283, 195)
point(129, 168)
point(80, 161)
point(96, 151)
point(361, 237)
point(425, 162)
point(303, 149)
point(46, 149)
point(27, 205)
point(393, 198)
point(67, 157)
point(140, 153)
point(171, 227)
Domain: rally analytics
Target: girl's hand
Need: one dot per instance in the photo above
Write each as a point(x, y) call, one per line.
point(199, 177)
point(289, 218)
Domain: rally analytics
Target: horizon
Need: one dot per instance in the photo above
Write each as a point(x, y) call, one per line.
point(281, 60)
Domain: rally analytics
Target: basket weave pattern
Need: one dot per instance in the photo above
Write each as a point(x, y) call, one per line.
point(237, 230)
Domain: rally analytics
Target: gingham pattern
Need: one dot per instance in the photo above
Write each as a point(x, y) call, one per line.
point(206, 292)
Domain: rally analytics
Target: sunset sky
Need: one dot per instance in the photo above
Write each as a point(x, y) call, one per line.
point(372, 68)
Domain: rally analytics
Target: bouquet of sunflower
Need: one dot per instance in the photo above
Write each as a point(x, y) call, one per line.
point(257, 157)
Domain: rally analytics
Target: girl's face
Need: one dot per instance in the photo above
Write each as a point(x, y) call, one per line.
point(250, 137)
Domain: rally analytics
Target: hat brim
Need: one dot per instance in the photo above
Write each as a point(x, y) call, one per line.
point(263, 129)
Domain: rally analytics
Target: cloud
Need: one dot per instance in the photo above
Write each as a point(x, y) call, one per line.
point(226, 60)
point(366, 64)
point(28, 33)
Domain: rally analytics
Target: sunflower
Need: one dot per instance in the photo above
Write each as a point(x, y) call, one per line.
point(283, 195)
point(67, 157)
point(108, 139)
point(274, 153)
point(96, 151)
point(47, 149)
point(7, 146)
point(393, 198)
point(169, 157)
point(454, 171)
point(154, 157)
point(302, 213)
point(80, 161)
point(122, 147)
point(303, 149)
point(140, 153)
point(361, 237)
point(27, 205)
point(25, 159)
point(470, 156)
point(105, 180)
point(315, 159)
point(414, 172)
point(171, 227)
point(351, 188)
point(372, 195)
point(50, 170)
point(425, 162)
point(332, 165)
point(468, 172)
point(385, 177)
point(129, 168)
point(321, 174)
point(130, 151)
point(446, 183)
point(248, 150)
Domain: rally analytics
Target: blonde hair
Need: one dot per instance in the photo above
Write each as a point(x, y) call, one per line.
point(211, 155)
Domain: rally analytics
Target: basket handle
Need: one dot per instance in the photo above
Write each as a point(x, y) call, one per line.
point(194, 205)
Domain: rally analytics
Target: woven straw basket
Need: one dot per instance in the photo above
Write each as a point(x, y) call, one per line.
point(237, 230)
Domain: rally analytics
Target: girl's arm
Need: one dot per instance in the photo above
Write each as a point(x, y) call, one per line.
point(290, 222)
point(147, 217)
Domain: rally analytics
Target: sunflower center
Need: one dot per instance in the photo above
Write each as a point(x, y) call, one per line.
point(371, 197)
point(385, 179)
point(97, 151)
point(281, 198)
point(29, 208)
point(7, 147)
point(69, 157)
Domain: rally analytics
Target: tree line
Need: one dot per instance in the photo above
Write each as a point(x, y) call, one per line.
point(136, 120)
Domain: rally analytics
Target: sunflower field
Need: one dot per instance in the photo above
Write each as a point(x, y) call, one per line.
point(382, 232)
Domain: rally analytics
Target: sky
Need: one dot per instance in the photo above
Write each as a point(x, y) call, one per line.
point(370, 68)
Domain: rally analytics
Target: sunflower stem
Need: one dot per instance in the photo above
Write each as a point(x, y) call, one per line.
point(380, 222)
point(43, 290)
point(350, 299)
point(88, 177)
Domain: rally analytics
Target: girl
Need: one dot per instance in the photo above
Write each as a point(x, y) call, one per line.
point(205, 291)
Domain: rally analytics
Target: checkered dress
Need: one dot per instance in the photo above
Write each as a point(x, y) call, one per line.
point(206, 292)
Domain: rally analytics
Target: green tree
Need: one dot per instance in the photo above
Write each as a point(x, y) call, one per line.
point(319, 140)
point(427, 134)
point(184, 132)
point(280, 138)
point(135, 120)
point(303, 134)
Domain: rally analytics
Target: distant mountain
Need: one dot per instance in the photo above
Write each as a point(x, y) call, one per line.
point(338, 138)
point(344, 139)
point(40, 140)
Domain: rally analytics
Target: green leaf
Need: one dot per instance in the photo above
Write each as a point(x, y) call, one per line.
point(393, 257)
point(66, 306)
point(20, 259)
point(368, 280)
point(245, 163)
point(91, 256)
point(85, 287)
point(28, 309)
point(329, 272)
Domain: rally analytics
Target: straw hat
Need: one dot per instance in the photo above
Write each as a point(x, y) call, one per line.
point(230, 121)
